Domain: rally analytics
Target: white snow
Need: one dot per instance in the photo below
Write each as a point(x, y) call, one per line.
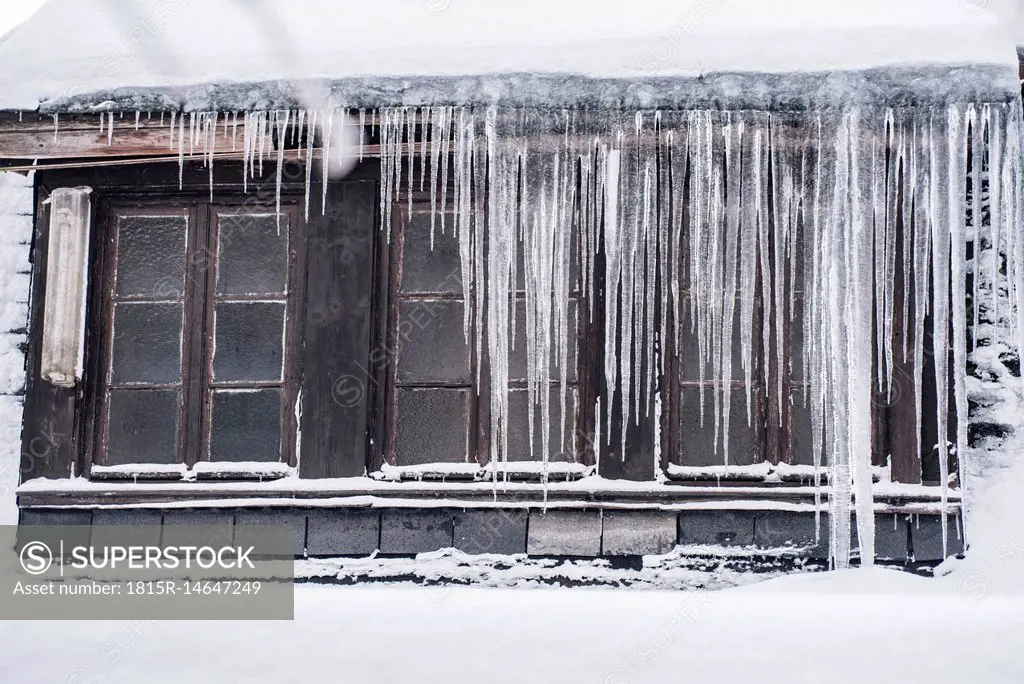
point(254, 469)
point(842, 628)
point(16, 210)
point(519, 469)
point(95, 45)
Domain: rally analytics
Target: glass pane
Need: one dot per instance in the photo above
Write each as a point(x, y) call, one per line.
point(426, 270)
point(519, 428)
point(796, 341)
point(253, 254)
point(147, 344)
point(432, 347)
point(689, 351)
point(151, 256)
point(697, 439)
point(432, 425)
point(517, 356)
point(142, 426)
point(248, 341)
point(575, 265)
point(246, 425)
point(801, 438)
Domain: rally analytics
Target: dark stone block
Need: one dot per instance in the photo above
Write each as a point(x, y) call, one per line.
point(638, 533)
point(782, 529)
point(490, 531)
point(564, 533)
point(198, 527)
point(926, 537)
point(890, 537)
point(717, 527)
point(342, 532)
point(52, 516)
point(78, 524)
point(128, 527)
point(294, 518)
point(415, 531)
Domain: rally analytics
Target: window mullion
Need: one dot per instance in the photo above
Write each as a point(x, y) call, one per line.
point(197, 333)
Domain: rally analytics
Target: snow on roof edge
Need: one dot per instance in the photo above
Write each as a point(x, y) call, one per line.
point(889, 86)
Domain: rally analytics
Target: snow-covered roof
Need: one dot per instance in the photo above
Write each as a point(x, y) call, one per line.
point(73, 54)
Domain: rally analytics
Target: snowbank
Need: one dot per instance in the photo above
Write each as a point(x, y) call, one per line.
point(776, 632)
point(94, 46)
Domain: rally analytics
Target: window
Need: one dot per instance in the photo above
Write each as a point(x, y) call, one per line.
point(199, 336)
point(437, 381)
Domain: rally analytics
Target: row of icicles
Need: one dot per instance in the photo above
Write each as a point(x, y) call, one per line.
point(678, 208)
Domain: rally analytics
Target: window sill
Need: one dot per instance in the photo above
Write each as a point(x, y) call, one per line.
point(761, 473)
point(203, 471)
point(521, 471)
point(363, 492)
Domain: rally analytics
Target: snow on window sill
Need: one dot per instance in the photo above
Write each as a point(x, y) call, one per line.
point(525, 471)
point(762, 472)
point(204, 470)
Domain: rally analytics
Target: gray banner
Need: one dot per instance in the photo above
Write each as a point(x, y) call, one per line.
point(139, 572)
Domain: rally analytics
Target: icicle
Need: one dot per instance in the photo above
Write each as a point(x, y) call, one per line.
point(958, 119)
point(281, 123)
point(211, 147)
point(56, 126)
point(944, 221)
point(110, 129)
point(410, 126)
point(977, 159)
point(362, 131)
point(859, 275)
point(424, 150)
point(995, 134)
point(325, 158)
point(435, 155)
point(310, 137)
point(181, 151)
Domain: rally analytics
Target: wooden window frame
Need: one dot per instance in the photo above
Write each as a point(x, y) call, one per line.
point(202, 253)
point(384, 370)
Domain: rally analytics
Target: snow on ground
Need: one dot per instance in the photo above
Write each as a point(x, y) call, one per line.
point(96, 45)
point(856, 627)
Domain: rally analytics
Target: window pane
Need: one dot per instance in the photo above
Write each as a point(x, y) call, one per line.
point(432, 425)
point(432, 347)
point(151, 256)
point(517, 357)
point(796, 341)
point(142, 426)
point(697, 440)
point(575, 264)
point(147, 344)
point(689, 351)
point(801, 440)
point(246, 425)
point(253, 254)
point(426, 270)
point(519, 429)
point(248, 341)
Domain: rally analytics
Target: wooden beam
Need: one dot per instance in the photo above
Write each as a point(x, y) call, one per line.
point(462, 495)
